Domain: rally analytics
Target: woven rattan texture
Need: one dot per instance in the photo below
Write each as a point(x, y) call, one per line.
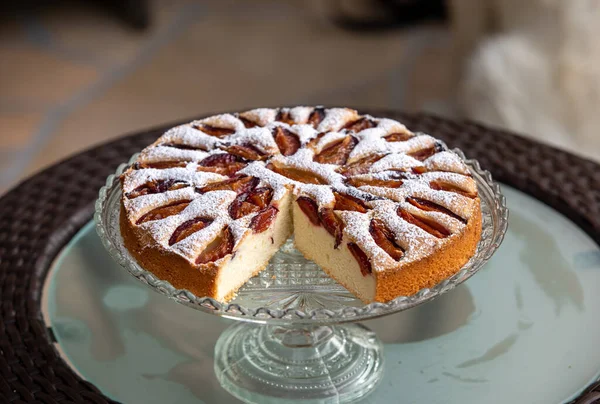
point(40, 215)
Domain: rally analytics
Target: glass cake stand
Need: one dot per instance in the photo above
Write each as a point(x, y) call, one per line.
point(296, 337)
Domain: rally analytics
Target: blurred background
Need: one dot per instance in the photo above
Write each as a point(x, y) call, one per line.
point(77, 73)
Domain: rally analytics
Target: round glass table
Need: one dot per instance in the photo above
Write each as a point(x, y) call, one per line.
point(530, 311)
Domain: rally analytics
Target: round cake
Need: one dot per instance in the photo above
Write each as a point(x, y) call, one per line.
point(382, 210)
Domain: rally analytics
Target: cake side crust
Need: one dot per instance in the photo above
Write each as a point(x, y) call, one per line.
point(169, 266)
point(434, 268)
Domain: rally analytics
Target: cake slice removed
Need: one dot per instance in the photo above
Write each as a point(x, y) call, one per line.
point(382, 210)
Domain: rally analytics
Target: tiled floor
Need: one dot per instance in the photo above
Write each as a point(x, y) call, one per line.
point(72, 78)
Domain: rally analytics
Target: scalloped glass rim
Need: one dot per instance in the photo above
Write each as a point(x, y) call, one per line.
point(490, 194)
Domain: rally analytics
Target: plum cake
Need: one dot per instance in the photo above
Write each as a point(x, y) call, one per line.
point(381, 209)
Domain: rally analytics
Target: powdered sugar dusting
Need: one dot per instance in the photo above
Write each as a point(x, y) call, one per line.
point(450, 223)
point(357, 231)
point(221, 121)
point(187, 135)
point(446, 161)
point(460, 205)
point(459, 180)
point(278, 182)
point(164, 153)
point(300, 114)
point(261, 116)
point(328, 139)
point(191, 247)
point(390, 126)
point(141, 205)
point(260, 138)
point(395, 161)
point(305, 132)
point(188, 175)
point(302, 160)
point(370, 142)
point(336, 118)
point(444, 167)
point(416, 242)
point(414, 144)
point(240, 227)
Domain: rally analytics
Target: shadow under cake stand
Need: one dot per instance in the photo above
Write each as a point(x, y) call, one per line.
point(297, 335)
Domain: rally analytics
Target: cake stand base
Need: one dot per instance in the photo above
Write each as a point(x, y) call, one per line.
point(316, 364)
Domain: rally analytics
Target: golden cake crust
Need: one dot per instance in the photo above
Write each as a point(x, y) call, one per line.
point(169, 266)
point(432, 269)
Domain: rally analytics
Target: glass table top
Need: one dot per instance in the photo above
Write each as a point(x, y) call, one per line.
point(524, 329)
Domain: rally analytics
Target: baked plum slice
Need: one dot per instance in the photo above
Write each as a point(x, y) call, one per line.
point(249, 202)
point(297, 174)
point(444, 186)
point(316, 116)
point(384, 238)
point(398, 137)
point(288, 142)
point(156, 187)
point(164, 211)
point(362, 259)
point(239, 185)
point(360, 124)
point(263, 219)
point(189, 227)
point(221, 246)
point(222, 163)
point(337, 152)
point(347, 202)
point(361, 166)
point(428, 225)
point(214, 130)
point(247, 152)
point(429, 206)
point(310, 209)
point(333, 224)
point(374, 182)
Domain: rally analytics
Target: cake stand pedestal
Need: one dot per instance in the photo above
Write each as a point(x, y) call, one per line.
point(271, 364)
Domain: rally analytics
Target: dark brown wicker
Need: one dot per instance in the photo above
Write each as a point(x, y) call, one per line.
point(40, 215)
